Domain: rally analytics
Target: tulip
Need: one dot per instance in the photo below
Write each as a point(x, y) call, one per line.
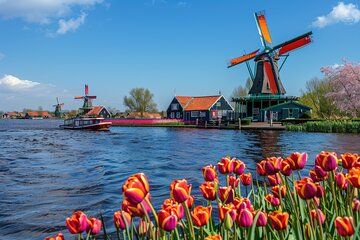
point(136, 210)
point(226, 194)
point(279, 220)
point(94, 226)
point(349, 160)
point(344, 226)
point(262, 219)
point(59, 236)
point(241, 203)
point(327, 161)
point(320, 190)
point(233, 181)
point(119, 219)
point(354, 177)
point(297, 160)
point(208, 191)
point(272, 165)
point(227, 214)
point(260, 168)
point(180, 190)
point(355, 205)
point(136, 188)
point(274, 201)
point(209, 173)
point(279, 190)
point(173, 207)
point(167, 220)
point(77, 223)
point(285, 168)
point(341, 181)
point(216, 237)
point(226, 165)
point(274, 179)
point(239, 167)
point(201, 215)
point(143, 228)
point(320, 172)
point(245, 218)
point(318, 216)
point(306, 188)
point(307, 231)
point(190, 202)
point(246, 179)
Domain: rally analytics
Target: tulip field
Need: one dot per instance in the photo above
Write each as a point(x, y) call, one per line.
point(279, 203)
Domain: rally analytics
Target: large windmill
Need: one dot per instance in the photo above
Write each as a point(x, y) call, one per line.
point(58, 106)
point(87, 106)
point(267, 89)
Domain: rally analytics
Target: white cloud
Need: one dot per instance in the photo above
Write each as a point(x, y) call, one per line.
point(71, 24)
point(11, 82)
point(346, 13)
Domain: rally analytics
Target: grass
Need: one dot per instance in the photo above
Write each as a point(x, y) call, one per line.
point(326, 127)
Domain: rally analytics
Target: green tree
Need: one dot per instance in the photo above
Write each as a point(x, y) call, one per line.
point(242, 91)
point(140, 100)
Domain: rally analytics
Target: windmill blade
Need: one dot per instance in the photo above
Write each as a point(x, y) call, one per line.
point(263, 28)
point(91, 97)
point(57, 100)
point(86, 89)
point(294, 43)
point(243, 58)
point(79, 97)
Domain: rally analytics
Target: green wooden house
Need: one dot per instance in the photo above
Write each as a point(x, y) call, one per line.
point(286, 110)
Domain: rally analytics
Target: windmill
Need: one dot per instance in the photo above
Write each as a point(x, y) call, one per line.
point(267, 78)
point(87, 106)
point(58, 106)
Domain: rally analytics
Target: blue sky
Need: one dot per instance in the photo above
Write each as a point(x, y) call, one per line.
point(50, 49)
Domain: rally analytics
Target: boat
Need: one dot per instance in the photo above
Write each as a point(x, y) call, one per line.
point(85, 123)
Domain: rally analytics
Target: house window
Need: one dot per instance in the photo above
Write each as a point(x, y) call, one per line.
point(218, 104)
point(172, 115)
point(174, 106)
point(202, 114)
point(291, 112)
point(194, 114)
point(178, 115)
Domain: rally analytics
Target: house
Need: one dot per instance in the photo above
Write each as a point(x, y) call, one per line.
point(99, 111)
point(11, 115)
point(284, 110)
point(144, 115)
point(201, 108)
point(37, 115)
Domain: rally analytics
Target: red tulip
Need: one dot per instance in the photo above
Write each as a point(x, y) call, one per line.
point(349, 160)
point(246, 179)
point(262, 219)
point(355, 205)
point(241, 203)
point(354, 177)
point(320, 190)
point(77, 223)
point(208, 191)
point(226, 194)
point(216, 237)
point(136, 210)
point(119, 219)
point(233, 181)
point(274, 201)
point(201, 215)
point(180, 190)
point(94, 226)
point(306, 188)
point(272, 165)
point(59, 236)
point(245, 218)
point(173, 207)
point(321, 173)
point(209, 173)
point(319, 215)
point(276, 190)
point(190, 202)
point(285, 168)
point(239, 167)
point(136, 188)
point(260, 168)
point(167, 220)
point(341, 181)
point(327, 161)
point(274, 179)
point(279, 220)
point(344, 226)
point(297, 160)
point(226, 165)
point(227, 215)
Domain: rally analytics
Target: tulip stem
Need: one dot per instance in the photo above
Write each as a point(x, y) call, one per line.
point(126, 224)
point(79, 236)
point(332, 181)
point(152, 210)
point(318, 218)
point(147, 219)
point(189, 219)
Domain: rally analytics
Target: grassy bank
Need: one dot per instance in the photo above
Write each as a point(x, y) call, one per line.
point(326, 126)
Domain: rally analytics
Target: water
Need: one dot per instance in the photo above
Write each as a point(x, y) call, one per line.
point(47, 173)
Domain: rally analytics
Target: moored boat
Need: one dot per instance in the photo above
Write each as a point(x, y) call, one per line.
point(86, 124)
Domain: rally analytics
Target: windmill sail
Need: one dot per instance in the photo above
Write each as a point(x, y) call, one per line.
point(243, 58)
point(294, 43)
point(262, 27)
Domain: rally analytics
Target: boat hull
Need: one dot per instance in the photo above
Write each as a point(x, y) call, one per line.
point(102, 126)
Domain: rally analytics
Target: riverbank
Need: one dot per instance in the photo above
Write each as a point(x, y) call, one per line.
point(325, 127)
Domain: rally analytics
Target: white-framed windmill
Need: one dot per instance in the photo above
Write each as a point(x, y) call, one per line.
point(58, 110)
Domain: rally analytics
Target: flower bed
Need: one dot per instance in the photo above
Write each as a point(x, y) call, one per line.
point(279, 204)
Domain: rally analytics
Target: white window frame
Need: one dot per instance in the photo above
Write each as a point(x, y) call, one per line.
point(202, 114)
point(174, 106)
point(194, 114)
point(172, 115)
point(178, 115)
point(218, 104)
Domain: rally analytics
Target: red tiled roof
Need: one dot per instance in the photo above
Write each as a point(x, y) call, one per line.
point(202, 103)
point(183, 100)
point(95, 111)
point(38, 114)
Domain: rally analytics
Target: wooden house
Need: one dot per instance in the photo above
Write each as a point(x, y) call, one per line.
point(99, 111)
point(37, 115)
point(286, 110)
point(199, 108)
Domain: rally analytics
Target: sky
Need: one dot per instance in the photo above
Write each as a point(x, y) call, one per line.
point(52, 48)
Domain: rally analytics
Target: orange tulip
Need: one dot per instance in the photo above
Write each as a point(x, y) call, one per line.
point(135, 210)
point(297, 160)
point(349, 160)
point(306, 188)
point(279, 220)
point(239, 167)
point(174, 207)
point(260, 168)
point(275, 190)
point(216, 237)
point(119, 219)
point(77, 223)
point(233, 181)
point(246, 179)
point(226, 165)
point(209, 172)
point(274, 179)
point(136, 188)
point(328, 161)
point(274, 201)
point(190, 202)
point(208, 191)
point(201, 215)
point(272, 165)
point(318, 216)
point(180, 190)
point(167, 220)
point(344, 226)
point(94, 226)
point(245, 218)
point(285, 168)
point(354, 177)
point(227, 215)
point(59, 236)
point(226, 194)
point(241, 203)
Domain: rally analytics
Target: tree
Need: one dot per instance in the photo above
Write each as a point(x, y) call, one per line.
point(345, 81)
point(242, 91)
point(140, 100)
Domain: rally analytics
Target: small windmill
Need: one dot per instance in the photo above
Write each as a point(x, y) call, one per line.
point(267, 79)
point(58, 106)
point(87, 106)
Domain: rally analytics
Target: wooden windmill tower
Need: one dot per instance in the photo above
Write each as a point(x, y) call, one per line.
point(267, 89)
point(58, 106)
point(87, 106)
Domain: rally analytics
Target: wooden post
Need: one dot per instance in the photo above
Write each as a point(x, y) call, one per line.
point(239, 123)
point(197, 122)
point(271, 119)
point(205, 124)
